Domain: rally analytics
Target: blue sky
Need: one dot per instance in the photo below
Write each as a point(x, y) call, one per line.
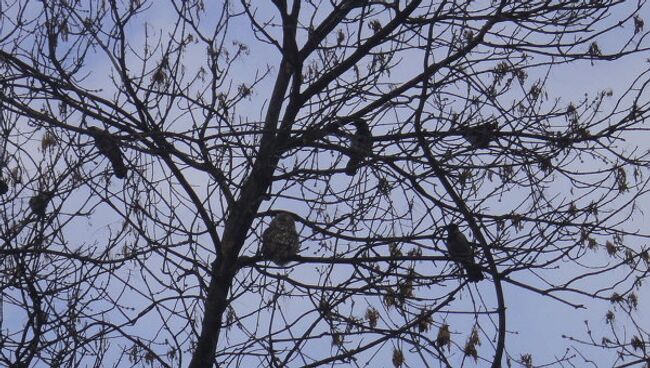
point(538, 322)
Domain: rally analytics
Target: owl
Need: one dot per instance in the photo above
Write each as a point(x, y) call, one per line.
point(109, 146)
point(4, 188)
point(38, 203)
point(280, 239)
point(360, 147)
point(461, 251)
point(480, 136)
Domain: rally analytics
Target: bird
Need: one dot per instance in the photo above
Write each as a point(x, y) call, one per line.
point(481, 135)
point(109, 146)
point(4, 188)
point(360, 146)
point(461, 251)
point(38, 203)
point(280, 239)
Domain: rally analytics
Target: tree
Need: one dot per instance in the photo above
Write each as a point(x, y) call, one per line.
point(228, 114)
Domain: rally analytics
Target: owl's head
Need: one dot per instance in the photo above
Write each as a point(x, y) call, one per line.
point(452, 228)
point(283, 219)
point(361, 125)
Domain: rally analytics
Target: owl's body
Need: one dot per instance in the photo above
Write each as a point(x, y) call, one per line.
point(38, 203)
point(462, 252)
point(480, 136)
point(4, 188)
point(280, 239)
point(109, 146)
point(360, 147)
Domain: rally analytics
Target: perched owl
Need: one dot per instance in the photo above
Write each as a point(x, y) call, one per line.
point(280, 239)
point(4, 188)
point(461, 251)
point(360, 147)
point(38, 203)
point(109, 146)
point(480, 136)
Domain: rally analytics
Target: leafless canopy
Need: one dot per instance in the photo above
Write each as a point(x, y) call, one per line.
point(226, 114)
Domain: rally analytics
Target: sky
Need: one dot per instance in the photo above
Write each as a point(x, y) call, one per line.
point(538, 323)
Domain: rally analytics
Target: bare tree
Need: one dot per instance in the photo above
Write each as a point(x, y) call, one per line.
point(150, 148)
